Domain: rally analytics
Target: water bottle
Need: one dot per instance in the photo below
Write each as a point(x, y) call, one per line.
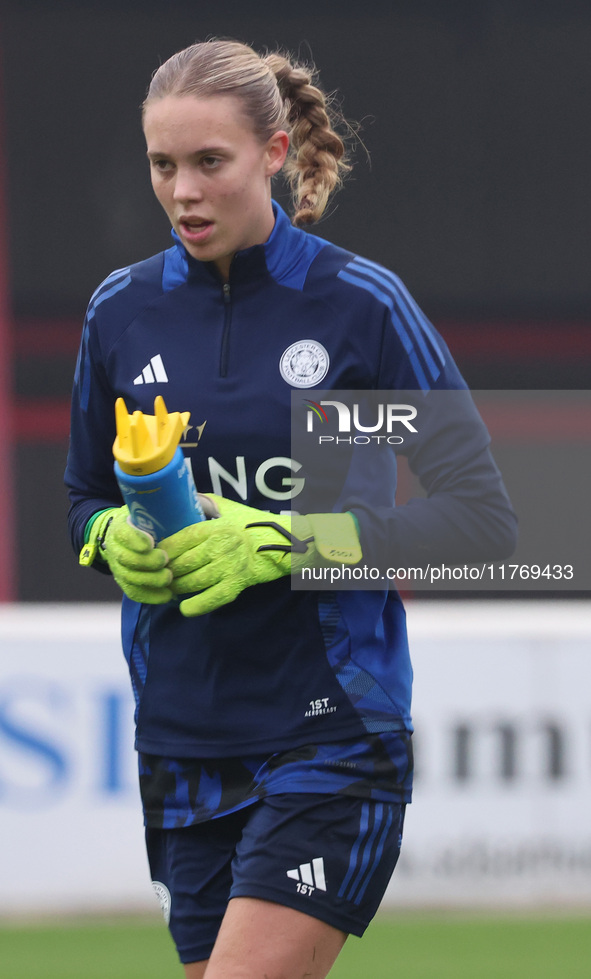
point(153, 475)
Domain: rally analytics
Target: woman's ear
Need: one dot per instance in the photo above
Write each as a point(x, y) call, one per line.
point(277, 150)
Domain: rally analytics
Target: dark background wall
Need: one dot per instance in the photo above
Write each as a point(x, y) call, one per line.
point(472, 184)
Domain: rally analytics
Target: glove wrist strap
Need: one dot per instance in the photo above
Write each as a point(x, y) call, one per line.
point(94, 535)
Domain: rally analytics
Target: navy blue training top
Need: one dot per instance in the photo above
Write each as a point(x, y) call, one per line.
point(298, 312)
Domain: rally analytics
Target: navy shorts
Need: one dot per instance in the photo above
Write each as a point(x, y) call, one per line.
point(328, 856)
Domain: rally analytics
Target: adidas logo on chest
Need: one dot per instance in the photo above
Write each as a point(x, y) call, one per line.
point(153, 373)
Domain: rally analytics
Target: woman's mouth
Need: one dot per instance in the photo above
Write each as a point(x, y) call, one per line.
point(195, 230)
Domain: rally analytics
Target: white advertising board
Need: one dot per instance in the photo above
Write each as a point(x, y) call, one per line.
point(502, 810)
point(502, 709)
point(71, 828)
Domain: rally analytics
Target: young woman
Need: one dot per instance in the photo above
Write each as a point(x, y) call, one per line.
point(273, 725)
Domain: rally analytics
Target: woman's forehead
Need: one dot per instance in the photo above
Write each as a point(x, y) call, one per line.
point(193, 110)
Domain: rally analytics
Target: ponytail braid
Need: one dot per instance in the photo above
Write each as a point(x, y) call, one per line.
point(317, 161)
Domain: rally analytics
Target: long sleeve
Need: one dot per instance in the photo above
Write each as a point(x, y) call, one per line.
point(89, 472)
point(466, 514)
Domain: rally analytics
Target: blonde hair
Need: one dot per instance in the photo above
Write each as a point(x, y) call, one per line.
point(276, 94)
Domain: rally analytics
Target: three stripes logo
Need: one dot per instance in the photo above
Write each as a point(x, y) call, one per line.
point(309, 876)
point(153, 372)
point(368, 849)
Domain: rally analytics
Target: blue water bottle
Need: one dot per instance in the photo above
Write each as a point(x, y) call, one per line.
point(153, 475)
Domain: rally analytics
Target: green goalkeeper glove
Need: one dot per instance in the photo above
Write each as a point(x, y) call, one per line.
point(243, 546)
point(137, 566)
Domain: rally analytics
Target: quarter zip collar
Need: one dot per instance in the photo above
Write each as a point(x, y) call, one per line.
point(285, 256)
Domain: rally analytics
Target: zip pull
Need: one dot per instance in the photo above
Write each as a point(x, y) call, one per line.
point(226, 289)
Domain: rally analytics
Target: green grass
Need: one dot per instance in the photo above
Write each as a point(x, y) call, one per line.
point(470, 947)
point(416, 946)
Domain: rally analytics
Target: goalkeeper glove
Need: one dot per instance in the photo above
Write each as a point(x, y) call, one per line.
point(221, 557)
point(137, 566)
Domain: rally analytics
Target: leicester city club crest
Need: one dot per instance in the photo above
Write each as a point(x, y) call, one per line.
point(304, 364)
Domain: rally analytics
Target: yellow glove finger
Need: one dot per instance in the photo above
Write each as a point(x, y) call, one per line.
point(187, 539)
point(212, 572)
point(210, 599)
point(213, 545)
point(145, 594)
point(146, 562)
point(154, 580)
point(126, 546)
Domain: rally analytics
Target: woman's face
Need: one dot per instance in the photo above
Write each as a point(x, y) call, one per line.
point(211, 174)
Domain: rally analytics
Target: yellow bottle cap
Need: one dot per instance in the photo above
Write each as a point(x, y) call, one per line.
point(147, 443)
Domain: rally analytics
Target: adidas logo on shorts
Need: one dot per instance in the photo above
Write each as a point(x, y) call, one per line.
point(309, 876)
